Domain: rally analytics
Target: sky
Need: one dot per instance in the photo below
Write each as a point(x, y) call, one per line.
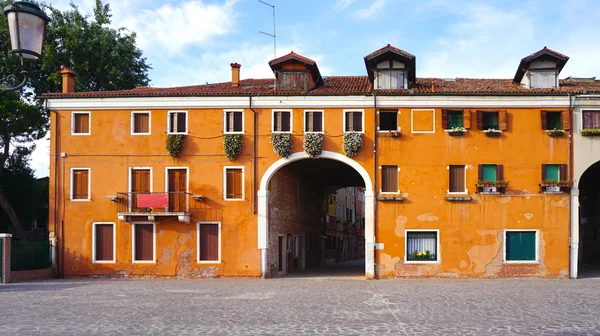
point(190, 42)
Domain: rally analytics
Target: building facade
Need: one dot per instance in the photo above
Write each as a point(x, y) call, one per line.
point(458, 177)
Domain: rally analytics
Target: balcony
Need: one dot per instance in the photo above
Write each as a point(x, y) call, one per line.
point(134, 206)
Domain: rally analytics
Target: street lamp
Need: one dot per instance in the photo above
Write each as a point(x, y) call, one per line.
point(27, 27)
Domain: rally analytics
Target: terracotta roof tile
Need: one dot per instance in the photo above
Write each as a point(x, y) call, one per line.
point(291, 55)
point(389, 47)
point(348, 85)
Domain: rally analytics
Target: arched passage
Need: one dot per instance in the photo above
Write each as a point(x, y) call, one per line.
point(369, 205)
point(589, 221)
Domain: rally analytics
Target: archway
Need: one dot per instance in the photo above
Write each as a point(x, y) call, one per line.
point(589, 222)
point(369, 205)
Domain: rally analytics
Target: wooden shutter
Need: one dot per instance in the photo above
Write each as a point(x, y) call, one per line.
point(445, 118)
point(317, 121)
point(80, 184)
point(389, 177)
point(566, 120)
point(181, 122)
point(500, 172)
point(81, 123)
point(502, 120)
point(479, 120)
point(177, 189)
point(357, 121)
point(285, 121)
point(209, 242)
point(237, 121)
point(544, 167)
point(104, 242)
point(544, 115)
point(467, 118)
point(480, 172)
point(144, 242)
point(141, 122)
point(349, 121)
point(308, 121)
point(563, 172)
point(457, 178)
point(234, 183)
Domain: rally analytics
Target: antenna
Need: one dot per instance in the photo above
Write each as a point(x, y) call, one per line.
point(272, 35)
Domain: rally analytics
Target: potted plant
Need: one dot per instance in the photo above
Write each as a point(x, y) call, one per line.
point(232, 145)
point(395, 134)
point(555, 132)
point(426, 255)
point(174, 144)
point(282, 144)
point(489, 186)
point(492, 132)
point(590, 132)
point(457, 131)
point(313, 144)
point(565, 184)
point(352, 143)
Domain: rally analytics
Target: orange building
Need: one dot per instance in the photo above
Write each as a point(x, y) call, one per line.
point(461, 177)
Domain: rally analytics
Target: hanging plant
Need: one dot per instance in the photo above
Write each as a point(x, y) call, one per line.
point(313, 144)
point(352, 143)
point(232, 145)
point(282, 144)
point(174, 144)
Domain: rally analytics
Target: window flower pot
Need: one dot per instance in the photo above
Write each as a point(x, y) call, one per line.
point(556, 133)
point(492, 133)
point(590, 132)
point(456, 133)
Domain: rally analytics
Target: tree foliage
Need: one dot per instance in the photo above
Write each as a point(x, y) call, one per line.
point(104, 58)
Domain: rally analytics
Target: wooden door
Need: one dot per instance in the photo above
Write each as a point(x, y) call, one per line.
point(140, 183)
point(177, 190)
point(280, 254)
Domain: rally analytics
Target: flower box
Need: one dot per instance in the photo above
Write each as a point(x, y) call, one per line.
point(556, 186)
point(491, 187)
point(492, 132)
point(456, 133)
point(555, 133)
point(590, 132)
point(395, 134)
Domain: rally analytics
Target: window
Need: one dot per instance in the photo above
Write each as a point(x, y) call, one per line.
point(80, 123)
point(389, 179)
point(591, 119)
point(282, 121)
point(234, 122)
point(353, 121)
point(103, 243)
point(388, 120)
point(140, 123)
point(143, 242)
point(234, 183)
point(457, 179)
point(455, 119)
point(551, 172)
point(177, 122)
point(543, 79)
point(490, 120)
point(313, 121)
point(292, 80)
point(80, 184)
point(520, 245)
point(489, 172)
point(209, 242)
point(422, 246)
point(390, 75)
point(552, 120)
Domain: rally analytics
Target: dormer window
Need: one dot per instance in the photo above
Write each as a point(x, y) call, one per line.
point(293, 80)
point(540, 70)
point(390, 68)
point(390, 75)
point(294, 72)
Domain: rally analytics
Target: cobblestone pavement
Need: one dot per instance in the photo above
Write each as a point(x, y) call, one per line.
point(301, 305)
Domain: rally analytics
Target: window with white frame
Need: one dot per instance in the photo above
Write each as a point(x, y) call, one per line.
point(390, 75)
point(140, 123)
point(353, 121)
point(209, 242)
point(422, 245)
point(234, 183)
point(234, 122)
point(177, 122)
point(104, 244)
point(282, 121)
point(457, 179)
point(144, 242)
point(313, 121)
point(389, 179)
point(521, 246)
point(80, 184)
point(81, 123)
point(388, 121)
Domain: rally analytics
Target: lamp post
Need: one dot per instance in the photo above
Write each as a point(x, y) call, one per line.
point(27, 27)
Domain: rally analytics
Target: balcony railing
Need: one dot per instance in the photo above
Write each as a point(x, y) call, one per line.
point(153, 203)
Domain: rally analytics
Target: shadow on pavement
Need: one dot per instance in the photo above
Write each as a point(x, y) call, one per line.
point(350, 270)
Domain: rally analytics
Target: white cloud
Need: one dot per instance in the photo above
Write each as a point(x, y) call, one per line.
point(369, 12)
point(341, 5)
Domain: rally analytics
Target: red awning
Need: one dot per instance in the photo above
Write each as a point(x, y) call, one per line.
point(153, 200)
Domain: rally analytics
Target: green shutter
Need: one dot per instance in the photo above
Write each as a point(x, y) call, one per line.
point(554, 120)
point(552, 172)
point(489, 172)
point(520, 245)
point(455, 119)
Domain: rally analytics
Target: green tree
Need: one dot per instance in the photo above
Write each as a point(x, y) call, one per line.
point(103, 57)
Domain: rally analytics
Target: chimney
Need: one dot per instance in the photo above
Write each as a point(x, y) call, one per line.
point(68, 79)
point(235, 74)
point(432, 86)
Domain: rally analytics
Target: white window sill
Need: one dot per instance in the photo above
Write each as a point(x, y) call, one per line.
point(80, 134)
point(141, 134)
point(517, 262)
point(80, 200)
point(176, 133)
point(234, 199)
point(422, 262)
point(144, 262)
point(319, 132)
point(206, 262)
point(240, 132)
point(103, 262)
point(282, 132)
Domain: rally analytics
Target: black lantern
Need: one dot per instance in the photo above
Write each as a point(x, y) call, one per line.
point(27, 27)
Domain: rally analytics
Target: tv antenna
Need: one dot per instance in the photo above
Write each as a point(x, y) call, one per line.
point(272, 35)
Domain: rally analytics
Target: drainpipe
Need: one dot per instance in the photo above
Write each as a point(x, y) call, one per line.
point(255, 173)
point(374, 182)
point(56, 164)
point(574, 203)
